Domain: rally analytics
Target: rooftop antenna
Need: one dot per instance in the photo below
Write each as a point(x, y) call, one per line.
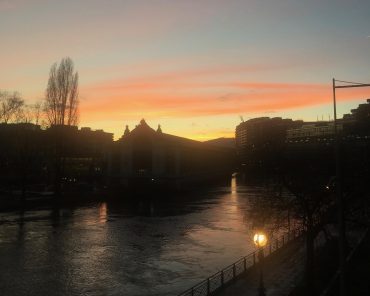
point(241, 118)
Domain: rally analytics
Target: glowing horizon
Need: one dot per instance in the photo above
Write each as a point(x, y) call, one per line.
point(191, 66)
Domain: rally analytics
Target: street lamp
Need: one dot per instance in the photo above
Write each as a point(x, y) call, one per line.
point(338, 181)
point(260, 240)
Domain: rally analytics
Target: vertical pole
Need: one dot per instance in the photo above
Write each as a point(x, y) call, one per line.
point(245, 264)
point(234, 273)
point(208, 287)
point(261, 288)
point(338, 191)
point(289, 220)
point(222, 278)
point(192, 291)
point(335, 110)
point(254, 258)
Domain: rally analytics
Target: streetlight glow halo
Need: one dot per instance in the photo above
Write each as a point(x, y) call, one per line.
point(260, 239)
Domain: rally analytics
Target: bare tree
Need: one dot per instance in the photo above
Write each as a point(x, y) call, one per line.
point(302, 197)
point(61, 100)
point(11, 105)
point(61, 109)
point(36, 111)
point(30, 113)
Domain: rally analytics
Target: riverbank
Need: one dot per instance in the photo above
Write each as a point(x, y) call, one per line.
point(280, 273)
point(284, 273)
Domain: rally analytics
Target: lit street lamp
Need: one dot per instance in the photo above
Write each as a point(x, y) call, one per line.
point(260, 240)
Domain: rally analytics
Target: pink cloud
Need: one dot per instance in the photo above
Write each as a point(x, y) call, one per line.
point(267, 96)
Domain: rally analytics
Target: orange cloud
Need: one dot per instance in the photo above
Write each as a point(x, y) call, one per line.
point(255, 98)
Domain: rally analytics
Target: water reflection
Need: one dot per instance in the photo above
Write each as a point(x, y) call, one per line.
point(20, 235)
point(103, 214)
point(233, 184)
point(142, 247)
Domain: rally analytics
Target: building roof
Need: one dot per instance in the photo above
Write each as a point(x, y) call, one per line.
point(143, 130)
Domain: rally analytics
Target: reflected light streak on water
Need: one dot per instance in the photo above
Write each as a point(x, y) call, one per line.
point(103, 212)
point(138, 248)
point(233, 185)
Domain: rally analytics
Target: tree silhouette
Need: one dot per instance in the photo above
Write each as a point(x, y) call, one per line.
point(303, 198)
point(11, 105)
point(61, 109)
point(61, 100)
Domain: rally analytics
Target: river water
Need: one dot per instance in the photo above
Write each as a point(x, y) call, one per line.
point(146, 247)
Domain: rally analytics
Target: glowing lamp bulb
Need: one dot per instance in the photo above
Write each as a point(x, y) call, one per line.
point(260, 239)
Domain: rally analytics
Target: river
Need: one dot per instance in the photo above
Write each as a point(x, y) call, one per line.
point(146, 247)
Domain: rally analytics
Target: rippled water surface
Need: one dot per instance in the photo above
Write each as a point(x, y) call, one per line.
point(145, 247)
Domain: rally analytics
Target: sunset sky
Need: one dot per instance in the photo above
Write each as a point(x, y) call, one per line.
point(192, 66)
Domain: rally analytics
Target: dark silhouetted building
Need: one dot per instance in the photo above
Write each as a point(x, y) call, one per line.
point(260, 141)
point(148, 156)
point(321, 130)
point(312, 144)
point(357, 123)
point(22, 154)
point(84, 152)
point(28, 155)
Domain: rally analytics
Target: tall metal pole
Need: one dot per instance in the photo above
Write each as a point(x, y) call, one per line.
point(261, 288)
point(339, 201)
point(339, 196)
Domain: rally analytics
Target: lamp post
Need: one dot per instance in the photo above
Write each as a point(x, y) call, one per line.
point(338, 182)
point(260, 240)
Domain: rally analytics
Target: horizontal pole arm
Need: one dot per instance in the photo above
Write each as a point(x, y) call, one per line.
point(352, 85)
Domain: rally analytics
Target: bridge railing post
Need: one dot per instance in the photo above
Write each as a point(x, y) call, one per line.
point(245, 263)
point(234, 271)
point(222, 278)
point(254, 258)
point(208, 287)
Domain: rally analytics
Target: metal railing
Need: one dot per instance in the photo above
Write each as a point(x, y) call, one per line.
point(231, 272)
